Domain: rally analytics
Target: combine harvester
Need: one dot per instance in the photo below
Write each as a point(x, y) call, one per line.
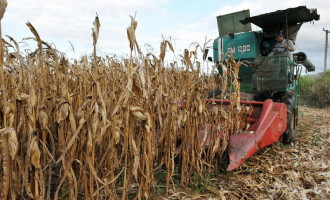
point(273, 80)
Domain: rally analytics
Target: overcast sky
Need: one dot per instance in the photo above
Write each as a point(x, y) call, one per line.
point(184, 21)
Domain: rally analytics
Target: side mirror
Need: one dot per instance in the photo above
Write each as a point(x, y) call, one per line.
point(205, 54)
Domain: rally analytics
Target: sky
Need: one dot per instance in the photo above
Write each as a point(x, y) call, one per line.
point(66, 22)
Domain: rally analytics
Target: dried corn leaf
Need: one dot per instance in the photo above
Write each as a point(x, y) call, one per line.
point(3, 5)
point(35, 153)
point(43, 118)
point(136, 159)
point(12, 143)
point(96, 29)
point(63, 112)
point(23, 97)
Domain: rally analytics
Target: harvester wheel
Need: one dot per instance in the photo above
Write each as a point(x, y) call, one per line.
point(288, 135)
point(216, 93)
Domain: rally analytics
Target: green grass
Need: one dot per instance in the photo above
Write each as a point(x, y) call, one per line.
point(200, 184)
point(315, 92)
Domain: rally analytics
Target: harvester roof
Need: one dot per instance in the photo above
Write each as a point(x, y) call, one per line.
point(281, 20)
point(291, 16)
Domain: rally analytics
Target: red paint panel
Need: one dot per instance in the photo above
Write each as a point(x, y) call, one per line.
point(268, 129)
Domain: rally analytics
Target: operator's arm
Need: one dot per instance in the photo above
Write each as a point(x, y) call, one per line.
point(290, 46)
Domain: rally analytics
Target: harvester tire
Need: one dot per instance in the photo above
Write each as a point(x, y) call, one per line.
point(217, 93)
point(289, 134)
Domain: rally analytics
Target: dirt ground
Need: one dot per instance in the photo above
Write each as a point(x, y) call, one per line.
point(297, 171)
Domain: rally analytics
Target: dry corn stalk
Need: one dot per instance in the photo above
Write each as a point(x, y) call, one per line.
point(7, 147)
point(3, 5)
point(105, 134)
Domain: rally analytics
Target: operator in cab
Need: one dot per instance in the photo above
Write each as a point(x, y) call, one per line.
point(283, 45)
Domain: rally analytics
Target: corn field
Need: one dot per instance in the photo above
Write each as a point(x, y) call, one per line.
point(102, 127)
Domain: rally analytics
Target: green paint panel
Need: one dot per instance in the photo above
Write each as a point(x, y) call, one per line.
point(242, 46)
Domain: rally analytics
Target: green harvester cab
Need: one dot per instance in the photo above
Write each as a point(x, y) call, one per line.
point(266, 75)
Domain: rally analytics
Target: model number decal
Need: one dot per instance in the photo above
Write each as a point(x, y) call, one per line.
point(240, 49)
point(244, 48)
